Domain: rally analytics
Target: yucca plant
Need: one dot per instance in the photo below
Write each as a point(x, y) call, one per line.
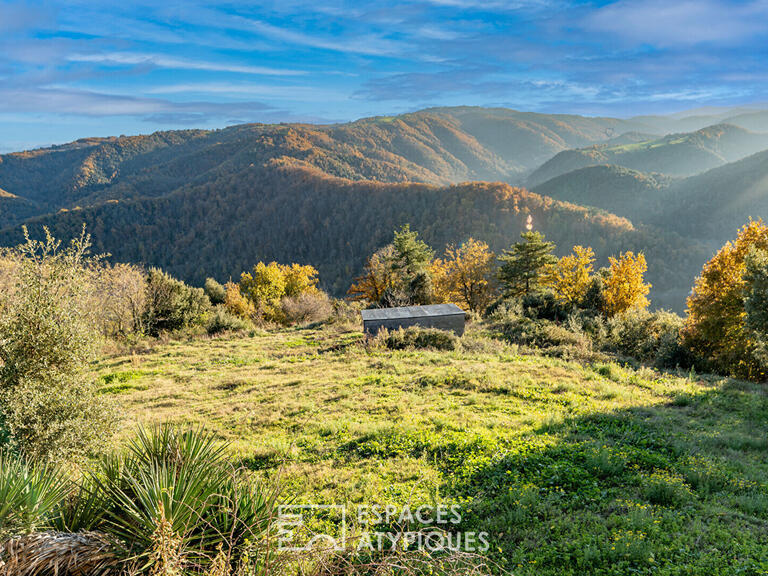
point(82, 510)
point(175, 503)
point(174, 446)
point(29, 495)
point(244, 515)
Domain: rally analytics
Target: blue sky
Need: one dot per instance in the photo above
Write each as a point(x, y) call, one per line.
point(70, 69)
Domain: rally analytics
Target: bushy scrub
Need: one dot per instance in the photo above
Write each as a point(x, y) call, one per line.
point(554, 339)
point(217, 293)
point(346, 312)
point(48, 405)
point(222, 320)
point(415, 337)
point(544, 306)
point(120, 299)
point(266, 287)
point(649, 337)
point(312, 306)
point(171, 304)
point(504, 309)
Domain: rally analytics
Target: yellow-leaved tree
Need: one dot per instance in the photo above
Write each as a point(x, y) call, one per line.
point(266, 285)
point(715, 328)
point(625, 286)
point(570, 276)
point(299, 279)
point(465, 276)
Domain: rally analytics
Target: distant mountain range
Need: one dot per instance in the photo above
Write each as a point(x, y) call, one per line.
point(201, 202)
point(675, 155)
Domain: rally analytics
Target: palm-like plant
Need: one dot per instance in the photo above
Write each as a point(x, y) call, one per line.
point(173, 500)
point(169, 505)
point(29, 494)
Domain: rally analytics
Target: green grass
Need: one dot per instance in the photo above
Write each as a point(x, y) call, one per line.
point(572, 469)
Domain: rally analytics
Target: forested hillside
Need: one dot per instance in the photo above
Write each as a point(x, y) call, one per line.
point(629, 193)
point(706, 207)
point(440, 146)
point(289, 212)
point(710, 205)
point(674, 155)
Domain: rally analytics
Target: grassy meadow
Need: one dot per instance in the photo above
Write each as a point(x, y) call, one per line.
point(572, 468)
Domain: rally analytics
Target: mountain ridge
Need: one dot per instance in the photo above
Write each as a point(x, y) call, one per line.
point(679, 154)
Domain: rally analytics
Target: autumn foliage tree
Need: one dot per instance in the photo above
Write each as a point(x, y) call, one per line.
point(625, 286)
point(571, 276)
point(716, 327)
point(398, 274)
point(377, 277)
point(465, 275)
point(267, 284)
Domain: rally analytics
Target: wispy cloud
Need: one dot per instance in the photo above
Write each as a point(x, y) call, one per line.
point(664, 24)
point(367, 44)
point(87, 103)
point(159, 60)
point(112, 64)
point(291, 92)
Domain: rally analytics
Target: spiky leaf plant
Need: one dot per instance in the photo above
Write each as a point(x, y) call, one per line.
point(29, 495)
point(174, 502)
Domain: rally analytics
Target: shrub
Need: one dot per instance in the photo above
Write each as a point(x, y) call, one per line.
point(346, 312)
point(236, 303)
point(171, 304)
point(266, 285)
point(49, 407)
point(649, 337)
point(541, 334)
point(544, 306)
point(307, 307)
point(504, 309)
point(594, 296)
point(415, 337)
point(222, 320)
point(216, 293)
point(552, 339)
point(121, 294)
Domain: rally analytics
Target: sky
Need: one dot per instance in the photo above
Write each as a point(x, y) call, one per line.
point(72, 68)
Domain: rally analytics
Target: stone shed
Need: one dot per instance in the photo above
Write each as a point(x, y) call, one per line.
point(442, 316)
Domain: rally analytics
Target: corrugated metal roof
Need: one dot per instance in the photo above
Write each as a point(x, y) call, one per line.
point(411, 312)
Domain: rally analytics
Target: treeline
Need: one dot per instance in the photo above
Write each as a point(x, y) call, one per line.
point(544, 301)
point(470, 275)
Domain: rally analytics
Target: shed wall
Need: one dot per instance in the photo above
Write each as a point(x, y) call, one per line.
point(454, 322)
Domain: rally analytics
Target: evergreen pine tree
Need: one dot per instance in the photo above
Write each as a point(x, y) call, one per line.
point(522, 265)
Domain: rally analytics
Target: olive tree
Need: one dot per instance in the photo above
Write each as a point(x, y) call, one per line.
point(48, 336)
